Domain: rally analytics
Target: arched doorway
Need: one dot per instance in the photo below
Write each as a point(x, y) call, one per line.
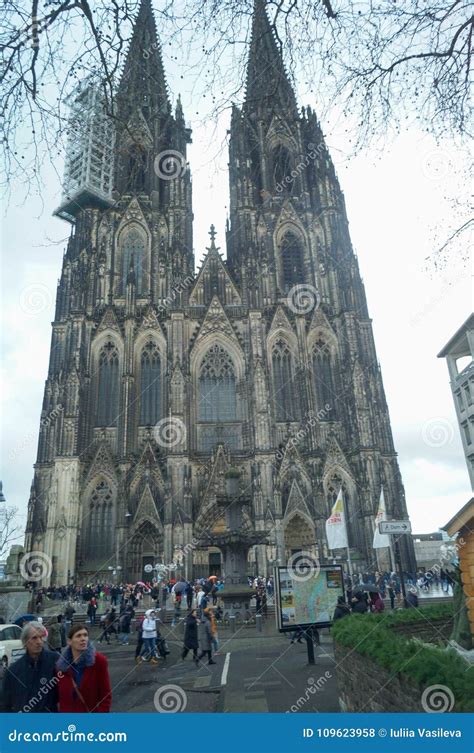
point(299, 536)
point(145, 548)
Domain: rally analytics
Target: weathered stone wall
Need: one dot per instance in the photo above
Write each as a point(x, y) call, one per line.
point(365, 686)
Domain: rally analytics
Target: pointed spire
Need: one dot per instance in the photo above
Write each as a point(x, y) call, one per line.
point(268, 84)
point(143, 81)
point(212, 233)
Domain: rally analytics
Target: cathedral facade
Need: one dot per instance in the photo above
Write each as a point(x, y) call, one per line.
point(257, 375)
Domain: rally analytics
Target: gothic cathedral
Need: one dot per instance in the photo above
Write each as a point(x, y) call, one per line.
point(165, 384)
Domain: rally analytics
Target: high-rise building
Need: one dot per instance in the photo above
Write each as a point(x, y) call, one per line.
point(261, 369)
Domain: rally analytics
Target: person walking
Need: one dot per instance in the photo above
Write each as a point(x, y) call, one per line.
point(29, 684)
point(139, 646)
point(124, 627)
point(149, 638)
point(189, 592)
point(391, 593)
point(215, 637)
point(83, 673)
point(199, 598)
point(205, 637)
point(91, 610)
point(190, 642)
point(55, 642)
point(69, 613)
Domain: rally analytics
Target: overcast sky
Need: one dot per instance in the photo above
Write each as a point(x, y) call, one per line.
point(396, 197)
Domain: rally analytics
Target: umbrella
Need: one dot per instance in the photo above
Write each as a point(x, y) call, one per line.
point(370, 587)
point(212, 577)
point(179, 587)
point(25, 618)
point(140, 583)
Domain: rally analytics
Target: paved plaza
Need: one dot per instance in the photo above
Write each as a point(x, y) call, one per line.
point(253, 672)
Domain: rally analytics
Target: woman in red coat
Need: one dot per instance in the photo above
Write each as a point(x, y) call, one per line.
point(84, 683)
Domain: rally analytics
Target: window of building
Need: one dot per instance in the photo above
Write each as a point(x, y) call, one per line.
point(285, 389)
point(137, 167)
point(459, 400)
point(467, 393)
point(282, 166)
point(467, 432)
point(150, 385)
point(217, 387)
point(323, 381)
point(133, 251)
point(108, 386)
point(100, 524)
point(292, 262)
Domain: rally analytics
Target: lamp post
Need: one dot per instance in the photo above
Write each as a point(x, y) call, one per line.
point(114, 569)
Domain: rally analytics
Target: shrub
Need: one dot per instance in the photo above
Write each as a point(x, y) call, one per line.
point(370, 635)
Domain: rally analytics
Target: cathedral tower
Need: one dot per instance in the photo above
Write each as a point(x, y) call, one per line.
point(260, 373)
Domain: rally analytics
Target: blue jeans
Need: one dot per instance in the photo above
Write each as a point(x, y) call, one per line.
point(149, 648)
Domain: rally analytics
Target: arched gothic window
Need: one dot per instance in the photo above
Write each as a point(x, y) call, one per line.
point(150, 384)
point(323, 381)
point(100, 524)
point(108, 385)
point(282, 165)
point(137, 165)
point(217, 387)
point(291, 261)
point(133, 248)
point(285, 389)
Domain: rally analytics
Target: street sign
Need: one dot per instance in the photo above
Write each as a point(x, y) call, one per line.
point(395, 526)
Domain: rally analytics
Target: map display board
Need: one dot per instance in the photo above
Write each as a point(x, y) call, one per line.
point(307, 598)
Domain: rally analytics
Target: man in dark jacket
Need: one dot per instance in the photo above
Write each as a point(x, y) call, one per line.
point(30, 684)
point(359, 603)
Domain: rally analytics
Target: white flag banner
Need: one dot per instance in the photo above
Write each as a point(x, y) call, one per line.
point(336, 525)
point(381, 540)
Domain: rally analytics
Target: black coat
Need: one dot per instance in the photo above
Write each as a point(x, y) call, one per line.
point(359, 606)
point(341, 610)
point(28, 686)
point(191, 632)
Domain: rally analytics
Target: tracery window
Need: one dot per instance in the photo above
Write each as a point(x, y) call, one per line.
point(291, 261)
point(108, 389)
point(323, 381)
point(285, 389)
point(282, 164)
point(137, 165)
point(150, 384)
point(133, 250)
point(217, 387)
point(100, 524)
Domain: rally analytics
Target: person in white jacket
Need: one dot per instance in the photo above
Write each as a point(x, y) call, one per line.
point(149, 638)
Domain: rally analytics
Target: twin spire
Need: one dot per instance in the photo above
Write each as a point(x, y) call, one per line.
point(143, 79)
point(267, 83)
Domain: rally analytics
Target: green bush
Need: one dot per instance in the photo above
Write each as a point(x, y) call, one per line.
point(370, 635)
